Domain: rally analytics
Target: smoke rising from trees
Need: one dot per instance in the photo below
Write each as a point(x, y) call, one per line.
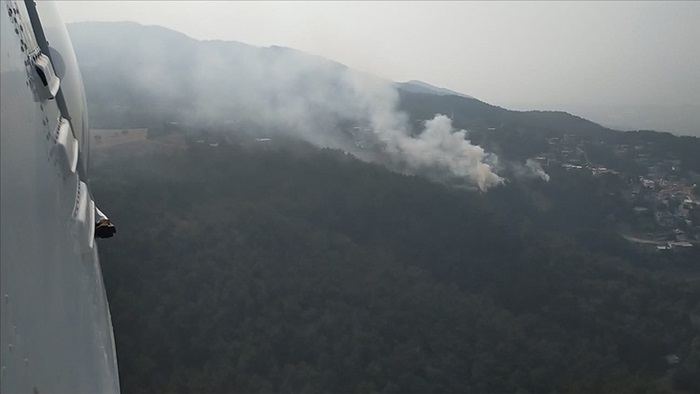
point(278, 91)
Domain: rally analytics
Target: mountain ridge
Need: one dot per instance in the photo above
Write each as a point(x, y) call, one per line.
point(85, 32)
point(417, 86)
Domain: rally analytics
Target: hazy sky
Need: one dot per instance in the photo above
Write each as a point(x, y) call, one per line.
point(543, 55)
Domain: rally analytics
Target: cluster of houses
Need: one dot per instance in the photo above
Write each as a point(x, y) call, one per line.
point(660, 195)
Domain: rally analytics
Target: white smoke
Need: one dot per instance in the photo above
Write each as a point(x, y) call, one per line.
point(308, 97)
point(279, 90)
point(532, 169)
point(439, 146)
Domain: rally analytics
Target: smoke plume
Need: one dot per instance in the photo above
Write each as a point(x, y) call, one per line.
point(438, 150)
point(533, 169)
point(271, 91)
point(441, 147)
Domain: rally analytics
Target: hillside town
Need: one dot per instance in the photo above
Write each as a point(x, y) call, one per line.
point(663, 197)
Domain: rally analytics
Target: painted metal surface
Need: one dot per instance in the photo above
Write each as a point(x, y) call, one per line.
point(55, 327)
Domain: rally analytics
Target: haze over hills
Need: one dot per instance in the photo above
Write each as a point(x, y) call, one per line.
point(679, 119)
point(101, 43)
point(283, 91)
point(518, 56)
point(251, 258)
point(157, 77)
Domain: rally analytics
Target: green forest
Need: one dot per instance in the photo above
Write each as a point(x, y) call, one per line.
point(297, 269)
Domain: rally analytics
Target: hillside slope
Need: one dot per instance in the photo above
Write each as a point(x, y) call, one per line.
point(274, 270)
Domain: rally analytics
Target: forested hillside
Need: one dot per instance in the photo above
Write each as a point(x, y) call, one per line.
point(245, 269)
point(252, 259)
